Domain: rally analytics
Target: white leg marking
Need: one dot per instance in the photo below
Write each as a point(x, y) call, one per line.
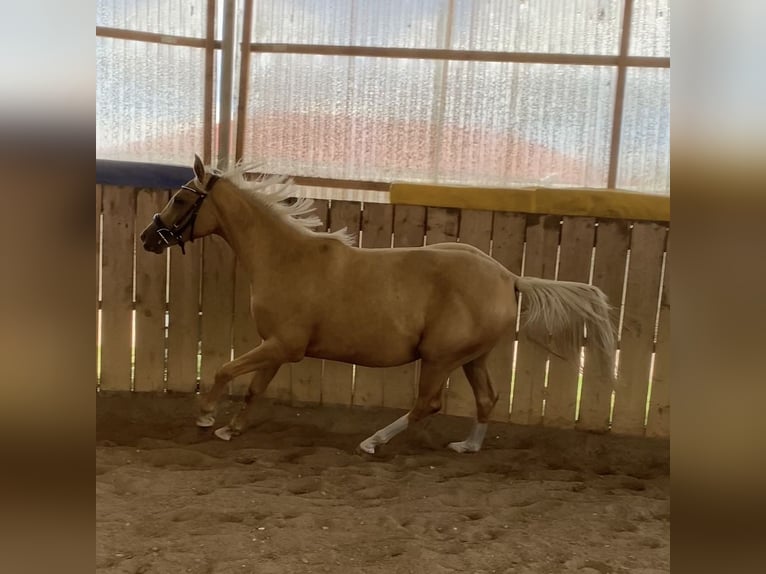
point(473, 442)
point(205, 420)
point(224, 433)
point(384, 435)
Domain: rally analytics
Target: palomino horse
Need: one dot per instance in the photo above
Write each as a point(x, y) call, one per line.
point(313, 295)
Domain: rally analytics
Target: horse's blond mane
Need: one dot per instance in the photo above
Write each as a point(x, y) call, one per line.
point(272, 191)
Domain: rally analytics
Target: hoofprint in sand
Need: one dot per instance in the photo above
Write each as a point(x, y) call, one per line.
point(293, 495)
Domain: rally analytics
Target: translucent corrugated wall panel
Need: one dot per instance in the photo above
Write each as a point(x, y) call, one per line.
point(393, 23)
point(645, 143)
point(174, 17)
point(551, 26)
point(149, 101)
point(387, 119)
point(333, 116)
point(366, 195)
point(650, 32)
point(508, 124)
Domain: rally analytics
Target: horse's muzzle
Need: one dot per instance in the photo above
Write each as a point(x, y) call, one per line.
point(151, 239)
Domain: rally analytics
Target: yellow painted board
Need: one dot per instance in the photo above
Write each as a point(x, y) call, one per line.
point(576, 250)
point(540, 261)
point(151, 271)
point(119, 206)
point(603, 203)
point(637, 341)
point(612, 241)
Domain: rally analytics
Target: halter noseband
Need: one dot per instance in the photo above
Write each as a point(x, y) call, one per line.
point(175, 232)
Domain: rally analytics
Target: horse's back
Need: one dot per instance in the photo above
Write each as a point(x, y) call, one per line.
point(452, 286)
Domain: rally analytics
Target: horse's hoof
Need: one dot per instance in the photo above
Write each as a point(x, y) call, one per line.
point(463, 446)
point(224, 433)
point(366, 447)
point(205, 420)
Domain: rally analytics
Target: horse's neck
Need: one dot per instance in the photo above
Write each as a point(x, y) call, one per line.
point(255, 232)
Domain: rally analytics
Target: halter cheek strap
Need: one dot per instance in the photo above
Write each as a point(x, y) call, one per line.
point(175, 232)
point(211, 182)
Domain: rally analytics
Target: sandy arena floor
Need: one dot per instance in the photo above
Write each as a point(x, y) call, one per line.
point(292, 496)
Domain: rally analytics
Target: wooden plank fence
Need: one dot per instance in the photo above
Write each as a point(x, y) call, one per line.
point(167, 322)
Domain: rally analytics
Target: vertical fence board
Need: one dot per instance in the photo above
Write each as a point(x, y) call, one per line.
point(226, 321)
point(306, 375)
point(646, 248)
point(401, 382)
point(476, 230)
point(151, 270)
point(337, 378)
point(245, 335)
point(442, 225)
point(508, 231)
point(658, 422)
point(377, 227)
point(98, 282)
point(183, 319)
point(409, 225)
point(540, 261)
point(575, 253)
point(99, 196)
point(280, 388)
point(217, 306)
point(119, 205)
point(612, 239)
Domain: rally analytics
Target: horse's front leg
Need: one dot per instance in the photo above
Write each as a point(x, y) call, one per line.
point(267, 357)
point(240, 421)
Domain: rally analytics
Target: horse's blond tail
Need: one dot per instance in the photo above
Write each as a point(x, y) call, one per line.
point(562, 308)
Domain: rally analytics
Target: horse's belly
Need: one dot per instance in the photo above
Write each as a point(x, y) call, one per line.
point(369, 350)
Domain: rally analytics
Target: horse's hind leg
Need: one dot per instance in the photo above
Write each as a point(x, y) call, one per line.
point(478, 376)
point(429, 401)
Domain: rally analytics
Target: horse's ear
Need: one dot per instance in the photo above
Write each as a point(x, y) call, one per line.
point(199, 168)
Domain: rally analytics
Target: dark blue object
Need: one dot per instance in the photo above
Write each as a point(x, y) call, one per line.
point(139, 174)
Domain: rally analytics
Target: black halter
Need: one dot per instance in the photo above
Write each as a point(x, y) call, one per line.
point(175, 232)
